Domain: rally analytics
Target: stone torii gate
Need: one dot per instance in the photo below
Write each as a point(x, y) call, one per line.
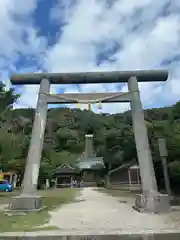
point(150, 200)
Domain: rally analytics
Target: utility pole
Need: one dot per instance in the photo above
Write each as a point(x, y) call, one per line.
point(163, 155)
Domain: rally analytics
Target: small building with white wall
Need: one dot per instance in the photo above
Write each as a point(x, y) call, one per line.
point(125, 177)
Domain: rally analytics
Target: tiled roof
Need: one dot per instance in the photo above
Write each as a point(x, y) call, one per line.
point(65, 168)
point(91, 163)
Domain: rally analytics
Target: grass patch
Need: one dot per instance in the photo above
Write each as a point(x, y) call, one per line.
point(52, 199)
point(47, 228)
point(118, 193)
point(5, 197)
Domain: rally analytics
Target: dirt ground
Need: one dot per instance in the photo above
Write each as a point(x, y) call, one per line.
point(98, 213)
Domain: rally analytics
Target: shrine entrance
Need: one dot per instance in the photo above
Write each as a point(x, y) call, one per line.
point(150, 200)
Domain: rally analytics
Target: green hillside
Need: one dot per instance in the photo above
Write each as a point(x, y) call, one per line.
point(65, 130)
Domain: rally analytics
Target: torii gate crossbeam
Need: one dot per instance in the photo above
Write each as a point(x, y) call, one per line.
point(150, 200)
point(69, 98)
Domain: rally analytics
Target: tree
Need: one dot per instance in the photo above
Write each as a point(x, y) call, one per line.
point(7, 98)
point(65, 136)
point(175, 171)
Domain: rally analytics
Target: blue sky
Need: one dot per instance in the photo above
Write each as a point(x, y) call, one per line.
point(81, 35)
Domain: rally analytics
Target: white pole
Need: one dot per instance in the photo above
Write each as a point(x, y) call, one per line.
point(163, 153)
point(129, 178)
point(138, 177)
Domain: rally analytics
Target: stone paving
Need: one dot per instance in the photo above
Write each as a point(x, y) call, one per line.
point(96, 212)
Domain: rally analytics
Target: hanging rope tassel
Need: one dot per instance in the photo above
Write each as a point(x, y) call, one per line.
point(89, 106)
point(100, 107)
point(78, 105)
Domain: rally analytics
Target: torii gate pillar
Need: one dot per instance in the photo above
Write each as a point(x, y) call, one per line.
point(28, 200)
point(150, 200)
point(141, 139)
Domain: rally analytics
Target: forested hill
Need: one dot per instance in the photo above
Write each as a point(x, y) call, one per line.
point(64, 137)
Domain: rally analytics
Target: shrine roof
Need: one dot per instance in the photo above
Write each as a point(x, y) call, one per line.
point(91, 163)
point(65, 168)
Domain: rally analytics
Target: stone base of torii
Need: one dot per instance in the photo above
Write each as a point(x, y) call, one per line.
point(150, 200)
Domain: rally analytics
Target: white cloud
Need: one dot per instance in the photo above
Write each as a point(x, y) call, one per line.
point(146, 34)
point(12, 28)
point(18, 40)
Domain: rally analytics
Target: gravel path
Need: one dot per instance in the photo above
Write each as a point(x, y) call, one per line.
point(96, 213)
